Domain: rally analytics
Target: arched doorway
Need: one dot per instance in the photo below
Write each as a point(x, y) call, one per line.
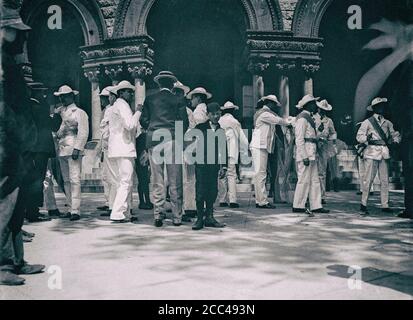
point(203, 43)
point(344, 62)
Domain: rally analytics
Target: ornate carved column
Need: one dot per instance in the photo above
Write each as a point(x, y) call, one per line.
point(309, 70)
point(285, 68)
point(139, 74)
point(93, 77)
point(257, 67)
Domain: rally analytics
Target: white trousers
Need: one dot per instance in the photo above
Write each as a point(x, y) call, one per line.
point(110, 172)
point(260, 160)
point(189, 186)
point(308, 186)
point(372, 167)
point(121, 204)
point(71, 173)
point(322, 161)
point(48, 190)
point(227, 186)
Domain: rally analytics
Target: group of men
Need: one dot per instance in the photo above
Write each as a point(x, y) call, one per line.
point(152, 140)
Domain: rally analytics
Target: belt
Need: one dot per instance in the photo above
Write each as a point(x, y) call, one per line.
point(377, 143)
point(310, 140)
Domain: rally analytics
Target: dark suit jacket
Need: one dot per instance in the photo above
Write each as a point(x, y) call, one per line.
point(162, 110)
point(215, 143)
point(43, 121)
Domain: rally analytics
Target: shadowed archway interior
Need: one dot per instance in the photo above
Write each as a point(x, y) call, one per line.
point(203, 43)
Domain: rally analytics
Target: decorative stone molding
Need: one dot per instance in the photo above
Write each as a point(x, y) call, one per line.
point(258, 66)
point(307, 17)
point(116, 56)
point(284, 51)
point(93, 75)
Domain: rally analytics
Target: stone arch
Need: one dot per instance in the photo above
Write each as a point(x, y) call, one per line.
point(87, 11)
point(131, 16)
point(307, 17)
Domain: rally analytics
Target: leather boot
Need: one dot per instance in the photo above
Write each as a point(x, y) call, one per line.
point(211, 222)
point(199, 223)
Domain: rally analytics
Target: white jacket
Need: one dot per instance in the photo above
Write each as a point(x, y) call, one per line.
point(304, 149)
point(200, 114)
point(377, 152)
point(74, 130)
point(122, 130)
point(264, 132)
point(236, 139)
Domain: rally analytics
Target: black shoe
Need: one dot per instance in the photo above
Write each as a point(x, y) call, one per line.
point(321, 210)
point(310, 213)
point(234, 205)
point(177, 223)
point(54, 213)
point(223, 205)
point(106, 214)
point(405, 215)
point(210, 222)
point(199, 224)
point(266, 206)
point(67, 215)
point(10, 279)
point(363, 210)
point(190, 213)
point(29, 269)
point(387, 210)
point(162, 215)
point(134, 219)
point(158, 223)
point(297, 210)
point(39, 218)
point(74, 217)
point(359, 193)
point(103, 208)
point(323, 202)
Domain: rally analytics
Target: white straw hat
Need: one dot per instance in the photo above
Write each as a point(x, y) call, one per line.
point(199, 90)
point(65, 89)
point(375, 102)
point(325, 105)
point(184, 88)
point(229, 106)
point(122, 85)
point(306, 99)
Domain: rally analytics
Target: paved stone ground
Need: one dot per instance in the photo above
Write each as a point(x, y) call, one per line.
point(260, 255)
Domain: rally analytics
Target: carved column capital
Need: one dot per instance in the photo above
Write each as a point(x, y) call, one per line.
point(258, 66)
point(93, 75)
point(310, 68)
point(140, 71)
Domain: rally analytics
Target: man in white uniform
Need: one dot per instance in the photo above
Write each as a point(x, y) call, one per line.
point(263, 144)
point(188, 171)
point(327, 140)
point(109, 170)
point(72, 137)
point(308, 184)
point(199, 97)
point(121, 147)
point(236, 142)
point(378, 133)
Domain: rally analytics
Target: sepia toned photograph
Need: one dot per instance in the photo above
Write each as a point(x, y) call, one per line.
point(206, 150)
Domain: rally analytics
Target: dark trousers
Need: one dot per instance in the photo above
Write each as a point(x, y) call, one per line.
point(142, 171)
point(206, 186)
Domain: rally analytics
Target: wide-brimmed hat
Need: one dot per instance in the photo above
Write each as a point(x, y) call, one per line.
point(199, 90)
point(306, 99)
point(325, 105)
point(106, 91)
point(10, 18)
point(272, 98)
point(65, 89)
point(165, 74)
point(122, 85)
point(375, 102)
point(229, 106)
point(37, 86)
point(180, 85)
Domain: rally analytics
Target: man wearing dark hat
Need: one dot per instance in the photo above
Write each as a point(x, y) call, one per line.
point(199, 97)
point(212, 163)
point(18, 136)
point(161, 111)
point(378, 133)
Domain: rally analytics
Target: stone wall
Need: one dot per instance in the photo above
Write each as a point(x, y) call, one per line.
point(287, 8)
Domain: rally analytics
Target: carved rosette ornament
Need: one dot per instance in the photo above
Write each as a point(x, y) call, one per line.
point(141, 71)
point(258, 66)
